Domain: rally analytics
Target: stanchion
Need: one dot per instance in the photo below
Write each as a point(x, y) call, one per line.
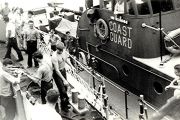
point(143, 109)
point(126, 93)
point(106, 106)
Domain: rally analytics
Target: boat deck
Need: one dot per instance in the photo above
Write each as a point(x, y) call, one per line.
point(115, 97)
point(166, 68)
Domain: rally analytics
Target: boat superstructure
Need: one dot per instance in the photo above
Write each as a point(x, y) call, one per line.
point(130, 48)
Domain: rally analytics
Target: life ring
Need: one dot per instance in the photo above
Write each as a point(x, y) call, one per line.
point(171, 41)
point(102, 30)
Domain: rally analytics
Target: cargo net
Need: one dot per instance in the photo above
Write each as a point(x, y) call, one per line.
point(44, 46)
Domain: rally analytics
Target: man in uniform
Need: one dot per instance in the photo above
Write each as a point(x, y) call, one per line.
point(12, 42)
point(5, 11)
point(31, 37)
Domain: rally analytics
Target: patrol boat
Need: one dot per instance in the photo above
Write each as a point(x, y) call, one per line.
point(137, 49)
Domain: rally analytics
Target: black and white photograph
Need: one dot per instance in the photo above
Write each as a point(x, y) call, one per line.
point(89, 60)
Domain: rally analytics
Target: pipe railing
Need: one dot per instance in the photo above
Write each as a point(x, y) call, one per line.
point(143, 115)
point(94, 74)
point(158, 29)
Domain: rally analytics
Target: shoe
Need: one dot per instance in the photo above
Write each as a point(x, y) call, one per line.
point(66, 110)
point(37, 66)
point(19, 60)
point(29, 66)
point(68, 106)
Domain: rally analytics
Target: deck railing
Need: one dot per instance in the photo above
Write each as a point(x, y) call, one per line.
point(96, 79)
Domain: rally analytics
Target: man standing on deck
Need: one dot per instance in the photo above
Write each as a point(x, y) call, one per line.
point(12, 42)
point(31, 38)
point(43, 75)
point(59, 58)
point(53, 39)
point(7, 101)
point(5, 11)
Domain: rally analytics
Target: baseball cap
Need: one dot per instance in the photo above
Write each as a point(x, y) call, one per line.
point(60, 46)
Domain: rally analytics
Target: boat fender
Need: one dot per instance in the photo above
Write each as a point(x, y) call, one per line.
point(102, 35)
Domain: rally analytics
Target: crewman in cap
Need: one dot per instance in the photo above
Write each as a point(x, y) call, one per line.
point(59, 58)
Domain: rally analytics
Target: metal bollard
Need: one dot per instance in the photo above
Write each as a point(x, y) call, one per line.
point(141, 106)
point(74, 96)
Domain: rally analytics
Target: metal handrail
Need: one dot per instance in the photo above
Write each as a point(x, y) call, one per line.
point(144, 103)
point(86, 69)
point(126, 93)
point(158, 29)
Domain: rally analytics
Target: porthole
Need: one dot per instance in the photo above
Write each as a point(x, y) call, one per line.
point(125, 70)
point(157, 88)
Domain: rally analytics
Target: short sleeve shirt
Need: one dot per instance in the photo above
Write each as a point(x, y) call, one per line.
point(10, 27)
point(31, 35)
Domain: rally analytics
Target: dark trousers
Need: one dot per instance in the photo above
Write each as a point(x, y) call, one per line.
point(53, 47)
point(12, 43)
point(62, 89)
point(10, 107)
point(45, 86)
point(31, 48)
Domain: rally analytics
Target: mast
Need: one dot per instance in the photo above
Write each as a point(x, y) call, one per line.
point(160, 26)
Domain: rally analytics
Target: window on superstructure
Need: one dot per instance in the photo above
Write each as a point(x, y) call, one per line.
point(143, 8)
point(108, 4)
point(139, 6)
point(161, 5)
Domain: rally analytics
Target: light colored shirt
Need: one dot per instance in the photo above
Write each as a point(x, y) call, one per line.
point(119, 8)
point(5, 83)
point(10, 27)
point(59, 59)
point(5, 11)
point(44, 112)
point(31, 35)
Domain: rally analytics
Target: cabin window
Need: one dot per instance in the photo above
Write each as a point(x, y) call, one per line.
point(131, 10)
point(108, 4)
point(140, 6)
point(177, 4)
point(120, 6)
point(143, 8)
point(161, 5)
